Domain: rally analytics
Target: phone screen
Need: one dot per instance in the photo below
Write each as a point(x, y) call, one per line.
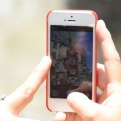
point(71, 51)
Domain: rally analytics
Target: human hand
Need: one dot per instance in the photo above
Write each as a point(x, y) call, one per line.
point(86, 88)
point(108, 106)
point(14, 103)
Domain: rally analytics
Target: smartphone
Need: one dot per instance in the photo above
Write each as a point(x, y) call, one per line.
point(71, 44)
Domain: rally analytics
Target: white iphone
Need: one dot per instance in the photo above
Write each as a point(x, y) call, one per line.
point(71, 44)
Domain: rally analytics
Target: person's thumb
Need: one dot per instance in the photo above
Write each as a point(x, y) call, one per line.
point(85, 107)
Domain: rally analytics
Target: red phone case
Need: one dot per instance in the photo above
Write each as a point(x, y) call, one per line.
point(95, 66)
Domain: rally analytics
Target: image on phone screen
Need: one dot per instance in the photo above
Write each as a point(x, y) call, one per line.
point(71, 51)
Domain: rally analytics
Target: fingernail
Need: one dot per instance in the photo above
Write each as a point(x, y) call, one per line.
point(102, 22)
point(71, 97)
point(45, 60)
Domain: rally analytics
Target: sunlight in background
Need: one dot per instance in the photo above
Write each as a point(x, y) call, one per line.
point(22, 45)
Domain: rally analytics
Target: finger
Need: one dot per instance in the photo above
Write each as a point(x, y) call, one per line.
point(102, 97)
point(109, 52)
point(60, 116)
point(82, 105)
point(84, 87)
point(102, 79)
point(24, 94)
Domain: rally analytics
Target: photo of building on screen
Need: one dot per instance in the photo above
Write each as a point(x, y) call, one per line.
point(69, 62)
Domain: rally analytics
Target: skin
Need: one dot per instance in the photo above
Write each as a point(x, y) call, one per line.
point(108, 106)
point(14, 103)
point(85, 87)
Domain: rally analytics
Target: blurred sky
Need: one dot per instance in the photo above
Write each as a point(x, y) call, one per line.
point(85, 40)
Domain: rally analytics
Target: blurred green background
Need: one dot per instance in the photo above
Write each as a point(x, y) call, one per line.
point(22, 41)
